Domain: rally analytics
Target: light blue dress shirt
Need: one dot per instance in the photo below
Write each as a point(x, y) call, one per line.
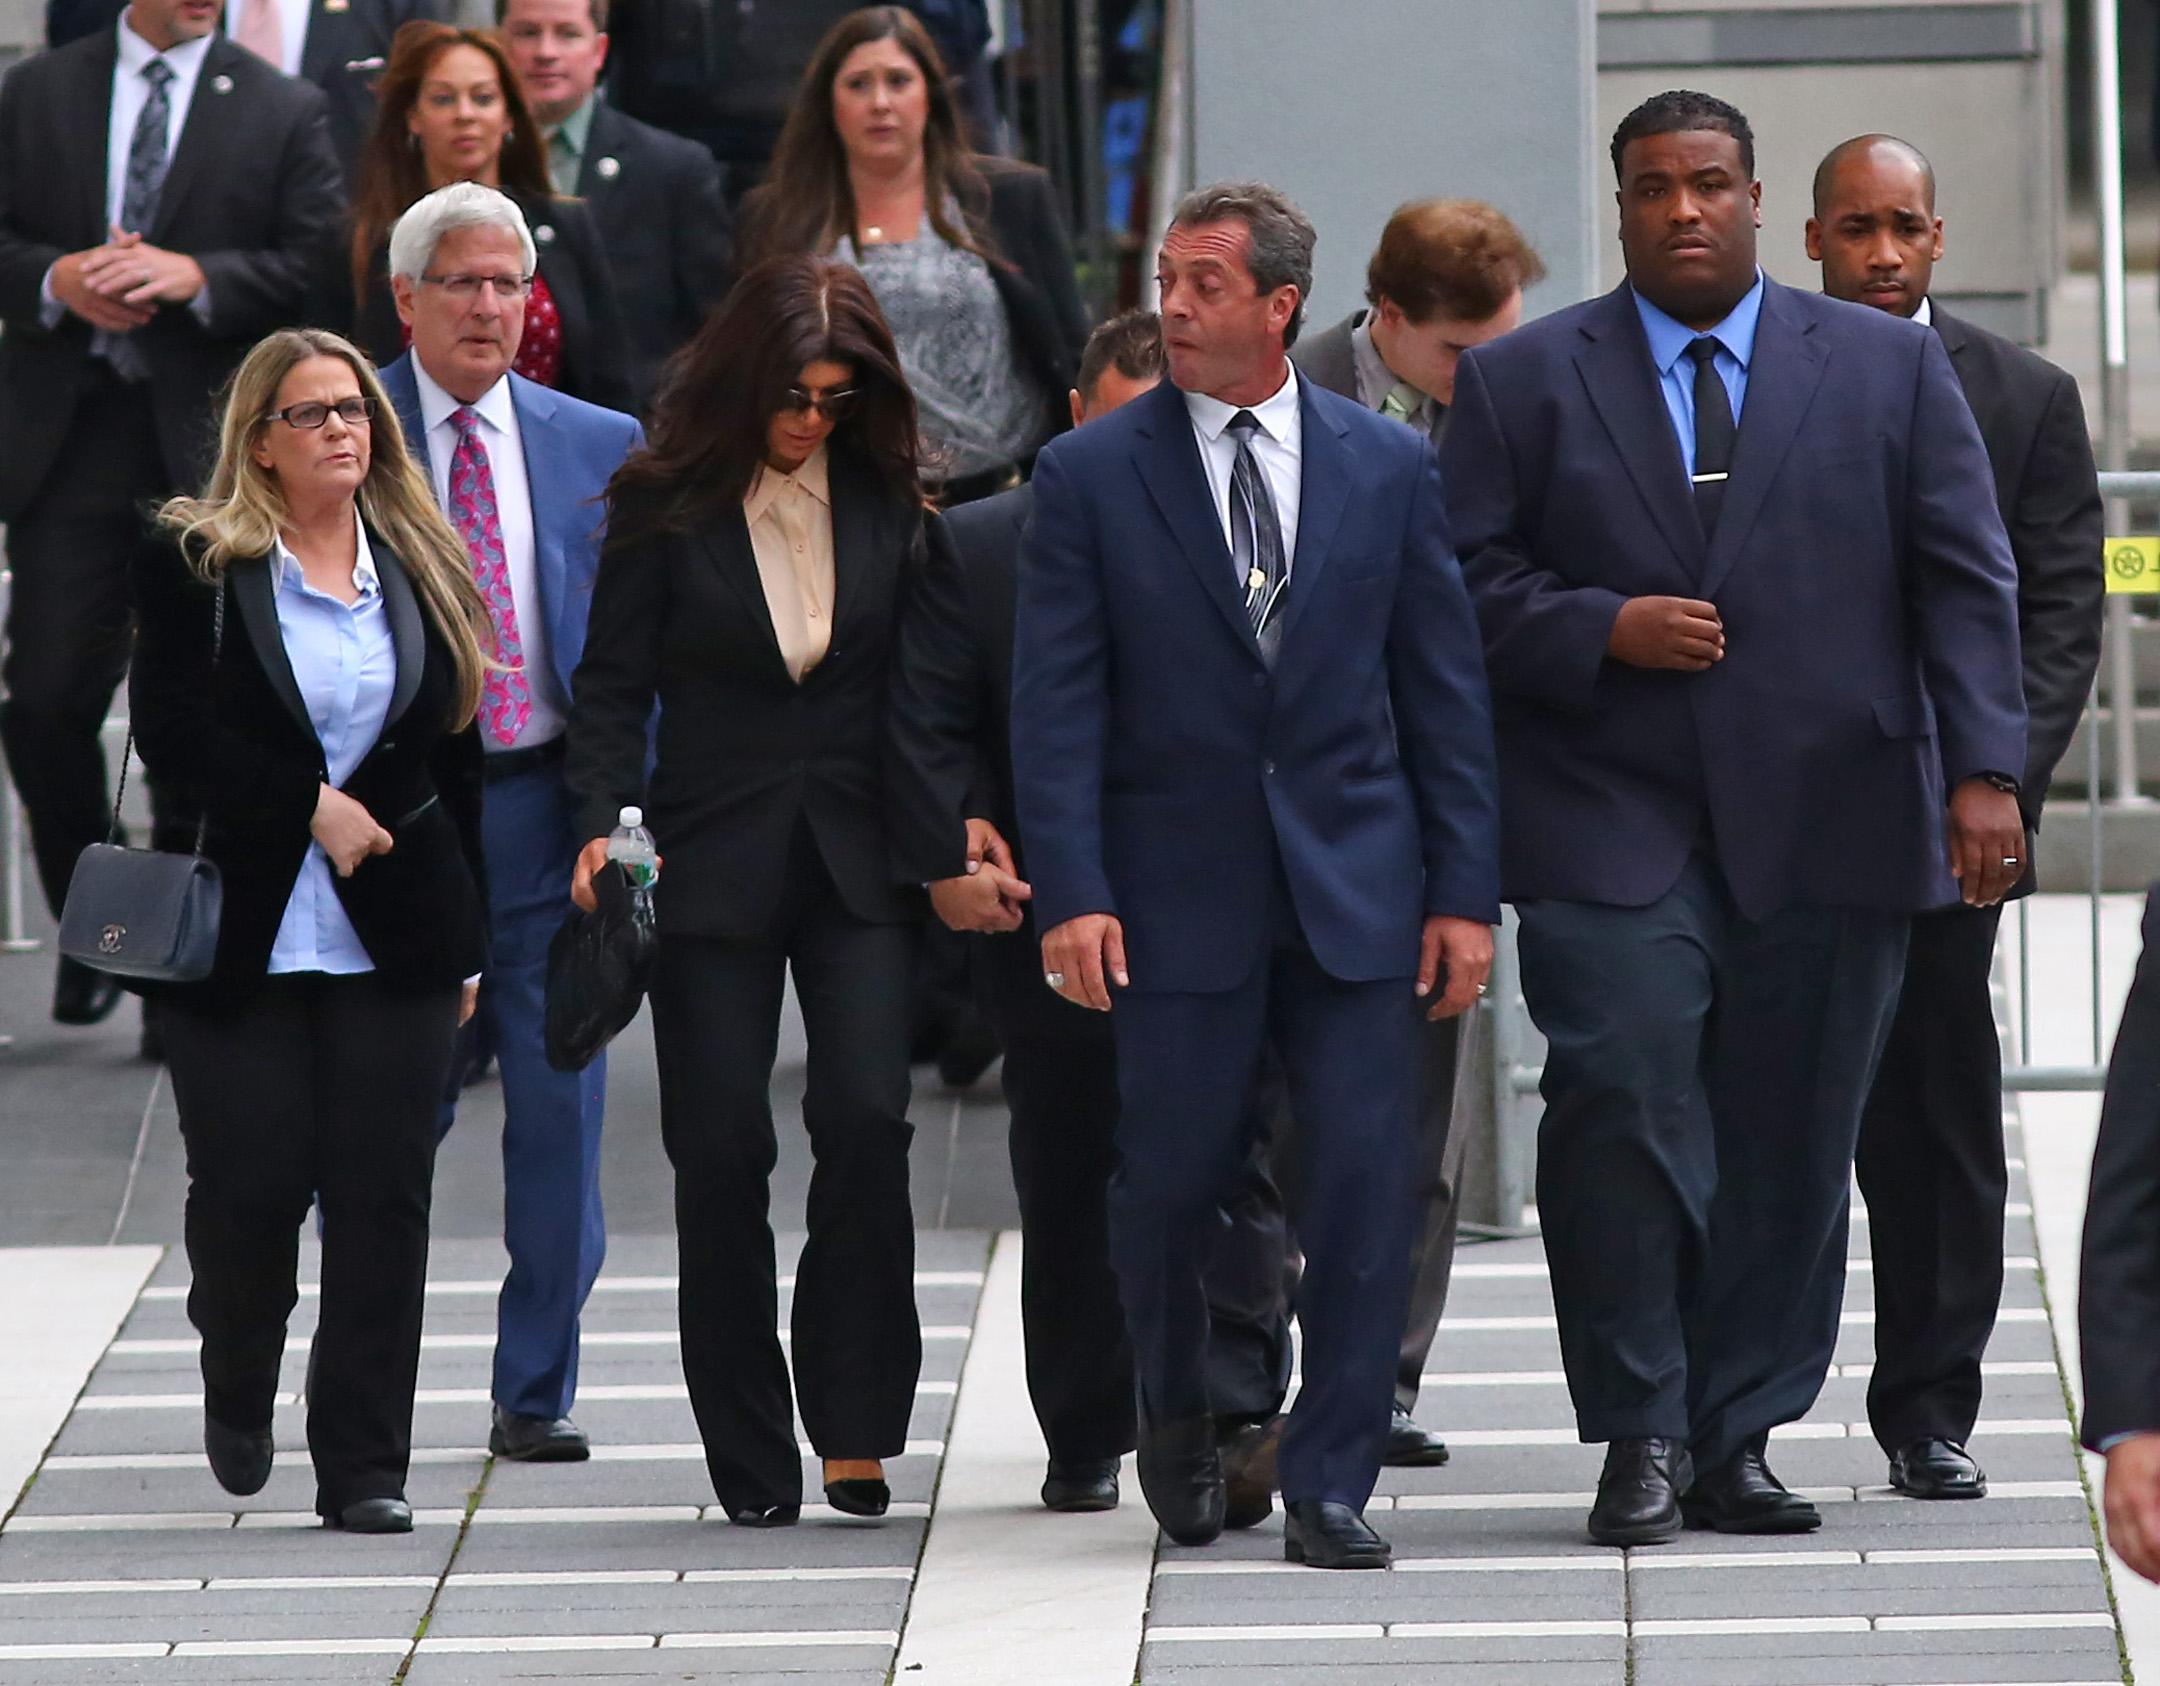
point(345, 661)
point(1669, 341)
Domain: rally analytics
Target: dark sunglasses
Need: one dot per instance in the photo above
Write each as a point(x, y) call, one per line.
point(354, 412)
point(835, 404)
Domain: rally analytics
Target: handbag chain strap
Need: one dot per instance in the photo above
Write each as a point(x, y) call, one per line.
point(202, 820)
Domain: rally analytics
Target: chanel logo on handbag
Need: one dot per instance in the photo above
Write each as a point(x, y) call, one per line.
point(110, 939)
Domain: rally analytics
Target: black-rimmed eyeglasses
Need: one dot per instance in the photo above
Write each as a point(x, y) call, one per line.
point(353, 412)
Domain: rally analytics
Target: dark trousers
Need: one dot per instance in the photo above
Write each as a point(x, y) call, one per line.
point(553, 1226)
point(857, 1340)
point(1702, 1089)
point(316, 1090)
point(1933, 1174)
point(1061, 1090)
point(68, 620)
point(1186, 1069)
point(1437, 1186)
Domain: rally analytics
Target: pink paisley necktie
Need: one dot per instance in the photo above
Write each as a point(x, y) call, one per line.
point(505, 701)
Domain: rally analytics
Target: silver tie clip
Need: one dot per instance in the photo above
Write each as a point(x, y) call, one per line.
point(1701, 479)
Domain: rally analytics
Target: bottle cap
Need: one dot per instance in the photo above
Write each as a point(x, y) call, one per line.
point(631, 816)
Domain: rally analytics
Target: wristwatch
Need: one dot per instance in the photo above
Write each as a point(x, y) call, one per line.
point(2000, 781)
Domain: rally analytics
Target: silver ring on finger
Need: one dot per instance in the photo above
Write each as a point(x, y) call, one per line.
point(1481, 989)
point(1056, 980)
point(2010, 860)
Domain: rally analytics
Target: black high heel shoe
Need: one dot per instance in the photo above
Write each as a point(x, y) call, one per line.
point(859, 1497)
point(764, 1516)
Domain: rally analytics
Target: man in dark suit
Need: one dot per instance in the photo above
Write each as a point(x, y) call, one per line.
point(951, 730)
point(1253, 767)
point(163, 196)
point(655, 196)
point(1447, 276)
point(1931, 1140)
point(521, 470)
point(339, 45)
point(2119, 1274)
point(1751, 621)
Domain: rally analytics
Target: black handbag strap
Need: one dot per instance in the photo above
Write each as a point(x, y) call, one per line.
point(202, 820)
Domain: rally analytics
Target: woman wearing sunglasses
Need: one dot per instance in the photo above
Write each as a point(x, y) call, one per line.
point(756, 560)
point(307, 662)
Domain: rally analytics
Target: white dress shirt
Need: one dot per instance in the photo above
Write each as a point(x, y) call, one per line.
point(131, 93)
point(1278, 446)
point(505, 447)
point(292, 28)
point(1925, 315)
point(790, 520)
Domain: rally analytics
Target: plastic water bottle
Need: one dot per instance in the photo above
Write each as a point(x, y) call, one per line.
point(631, 847)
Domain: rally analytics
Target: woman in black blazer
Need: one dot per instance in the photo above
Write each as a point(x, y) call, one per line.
point(448, 109)
point(307, 664)
point(966, 253)
point(757, 554)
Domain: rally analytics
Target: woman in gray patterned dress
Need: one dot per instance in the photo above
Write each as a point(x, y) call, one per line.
point(967, 254)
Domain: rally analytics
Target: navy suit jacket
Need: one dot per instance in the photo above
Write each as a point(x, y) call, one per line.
point(572, 450)
point(1161, 771)
point(1860, 569)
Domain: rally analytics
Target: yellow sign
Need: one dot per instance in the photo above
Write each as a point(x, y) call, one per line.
point(2133, 566)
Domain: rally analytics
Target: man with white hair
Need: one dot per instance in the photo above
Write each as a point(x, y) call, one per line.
point(520, 470)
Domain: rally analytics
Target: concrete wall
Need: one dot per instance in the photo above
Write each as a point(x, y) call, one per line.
point(1353, 106)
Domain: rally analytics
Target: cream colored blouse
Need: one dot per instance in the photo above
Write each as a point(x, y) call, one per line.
point(790, 518)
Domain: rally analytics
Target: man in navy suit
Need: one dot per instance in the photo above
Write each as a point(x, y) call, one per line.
point(1253, 763)
point(1751, 621)
point(521, 471)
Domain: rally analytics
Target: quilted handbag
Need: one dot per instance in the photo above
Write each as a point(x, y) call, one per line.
point(146, 913)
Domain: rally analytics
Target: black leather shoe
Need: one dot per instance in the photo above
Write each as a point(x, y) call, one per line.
point(1410, 1446)
point(1081, 1486)
point(537, 1440)
point(239, 1458)
point(1181, 1478)
point(1249, 1455)
point(1937, 1468)
point(1638, 1499)
point(859, 1496)
point(764, 1516)
point(1741, 1496)
point(83, 995)
point(373, 1516)
point(1330, 1536)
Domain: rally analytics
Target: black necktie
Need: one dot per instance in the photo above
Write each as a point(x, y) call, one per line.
point(1714, 432)
point(1255, 533)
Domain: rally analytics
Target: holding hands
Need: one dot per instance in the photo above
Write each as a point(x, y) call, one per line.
point(988, 896)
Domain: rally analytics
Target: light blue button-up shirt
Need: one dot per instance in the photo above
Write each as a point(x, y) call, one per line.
point(345, 660)
point(1669, 341)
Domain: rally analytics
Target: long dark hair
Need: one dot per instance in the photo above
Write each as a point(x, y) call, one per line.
point(709, 427)
point(392, 174)
point(807, 201)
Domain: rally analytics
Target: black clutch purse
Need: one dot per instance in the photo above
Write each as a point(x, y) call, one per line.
point(143, 913)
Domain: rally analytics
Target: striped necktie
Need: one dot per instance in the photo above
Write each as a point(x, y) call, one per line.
point(1256, 537)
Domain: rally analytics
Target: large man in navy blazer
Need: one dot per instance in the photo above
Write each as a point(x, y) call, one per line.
point(1253, 762)
point(460, 260)
point(1751, 622)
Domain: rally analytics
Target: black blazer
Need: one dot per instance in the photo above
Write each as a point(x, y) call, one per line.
point(2119, 1276)
point(252, 194)
point(950, 736)
point(744, 754)
point(666, 230)
point(595, 358)
point(232, 739)
point(346, 45)
point(2033, 425)
point(1035, 278)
